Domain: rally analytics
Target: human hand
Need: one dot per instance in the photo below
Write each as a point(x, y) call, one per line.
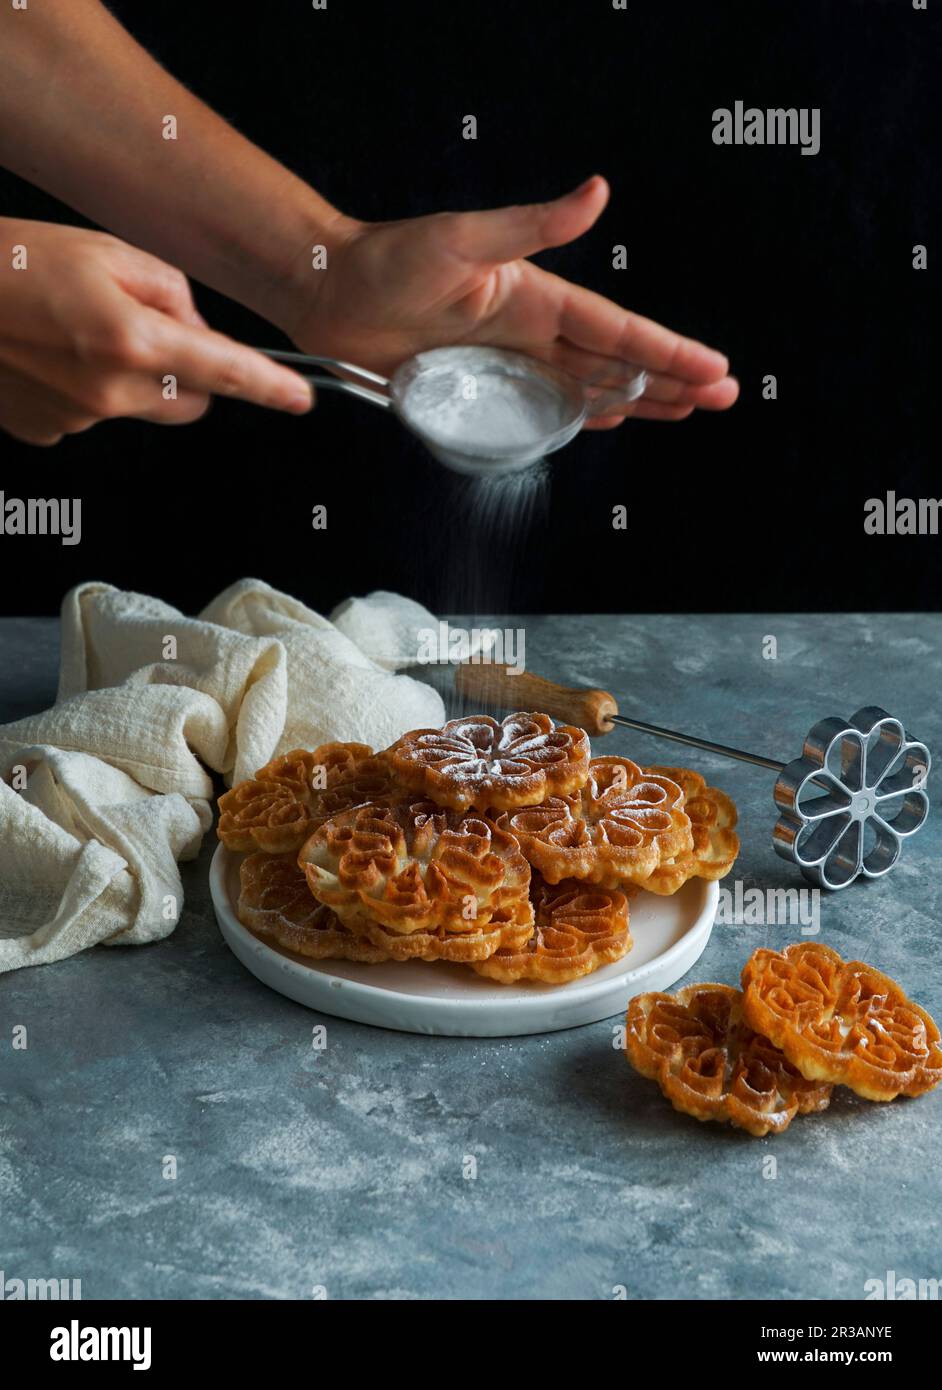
point(93, 328)
point(392, 289)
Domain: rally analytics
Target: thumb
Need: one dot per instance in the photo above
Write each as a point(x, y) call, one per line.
point(504, 234)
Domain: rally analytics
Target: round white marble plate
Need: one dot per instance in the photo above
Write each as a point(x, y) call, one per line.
point(450, 1000)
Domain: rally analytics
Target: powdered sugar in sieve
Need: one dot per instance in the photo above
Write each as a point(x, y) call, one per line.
point(482, 409)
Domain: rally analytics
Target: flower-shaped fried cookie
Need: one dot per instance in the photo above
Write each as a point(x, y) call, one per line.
point(715, 843)
point(275, 902)
point(302, 770)
point(508, 928)
point(852, 798)
point(578, 929)
point(478, 762)
point(710, 1064)
point(291, 796)
point(417, 867)
point(617, 829)
point(842, 1021)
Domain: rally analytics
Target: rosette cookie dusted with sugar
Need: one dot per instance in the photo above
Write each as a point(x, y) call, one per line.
point(842, 1021)
point(577, 930)
point(275, 902)
point(478, 762)
point(715, 843)
point(617, 829)
point(710, 1064)
point(291, 796)
point(417, 868)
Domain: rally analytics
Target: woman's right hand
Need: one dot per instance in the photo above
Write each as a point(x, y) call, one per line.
point(93, 329)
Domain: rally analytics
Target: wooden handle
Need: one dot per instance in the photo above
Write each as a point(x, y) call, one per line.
point(489, 683)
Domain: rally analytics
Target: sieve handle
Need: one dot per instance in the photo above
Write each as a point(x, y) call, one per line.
point(369, 386)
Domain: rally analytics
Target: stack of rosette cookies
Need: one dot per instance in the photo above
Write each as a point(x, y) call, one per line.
point(503, 845)
point(507, 847)
point(804, 1022)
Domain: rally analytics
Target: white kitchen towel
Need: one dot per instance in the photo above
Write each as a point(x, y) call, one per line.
point(395, 631)
point(107, 790)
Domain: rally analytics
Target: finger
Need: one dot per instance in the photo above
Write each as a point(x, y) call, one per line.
point(604, 422)
point(592, 368)
point(212, 364)
point(105, 394)
point(498, 235)
point(599, 326)
point(34, 414)
point(611, 374)
point(155, 283)
point(640, 410)
point(653, 410)
point(187, 407)
point(719, 395)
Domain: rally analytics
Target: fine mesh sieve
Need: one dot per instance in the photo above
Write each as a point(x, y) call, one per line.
point(479, 410)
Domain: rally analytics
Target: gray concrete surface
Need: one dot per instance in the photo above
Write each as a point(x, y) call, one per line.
point(344, 1168)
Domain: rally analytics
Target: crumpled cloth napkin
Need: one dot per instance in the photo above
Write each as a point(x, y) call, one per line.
point(105, 792)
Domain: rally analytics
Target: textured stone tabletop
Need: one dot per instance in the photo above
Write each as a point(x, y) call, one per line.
point(345, 1168)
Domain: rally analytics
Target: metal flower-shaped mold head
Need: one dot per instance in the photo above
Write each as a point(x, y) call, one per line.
point(852, 798)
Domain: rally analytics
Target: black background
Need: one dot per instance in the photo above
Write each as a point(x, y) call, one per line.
point(796, 266)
